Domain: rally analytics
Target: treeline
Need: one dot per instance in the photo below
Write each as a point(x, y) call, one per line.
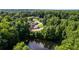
point(60, 27)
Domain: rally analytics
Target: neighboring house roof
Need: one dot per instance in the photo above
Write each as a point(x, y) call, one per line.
point(35, 27)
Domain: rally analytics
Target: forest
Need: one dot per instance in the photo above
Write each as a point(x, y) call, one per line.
point(39, 29)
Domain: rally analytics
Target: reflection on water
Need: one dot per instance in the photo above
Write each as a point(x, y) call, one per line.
point(37, 46)
point(40, 44)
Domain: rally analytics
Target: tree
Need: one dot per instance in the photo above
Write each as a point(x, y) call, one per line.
point(21, 46)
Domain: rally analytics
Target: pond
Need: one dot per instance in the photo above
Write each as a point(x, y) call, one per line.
point(38, 44)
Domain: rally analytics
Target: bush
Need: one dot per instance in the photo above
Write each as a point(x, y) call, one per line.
point(21, 46)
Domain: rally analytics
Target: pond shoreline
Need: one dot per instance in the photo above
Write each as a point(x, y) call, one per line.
point(37, 44)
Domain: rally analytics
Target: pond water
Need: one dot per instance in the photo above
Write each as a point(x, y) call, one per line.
point(40, 44)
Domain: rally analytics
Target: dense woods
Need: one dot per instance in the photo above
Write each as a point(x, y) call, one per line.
point(59, 26)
